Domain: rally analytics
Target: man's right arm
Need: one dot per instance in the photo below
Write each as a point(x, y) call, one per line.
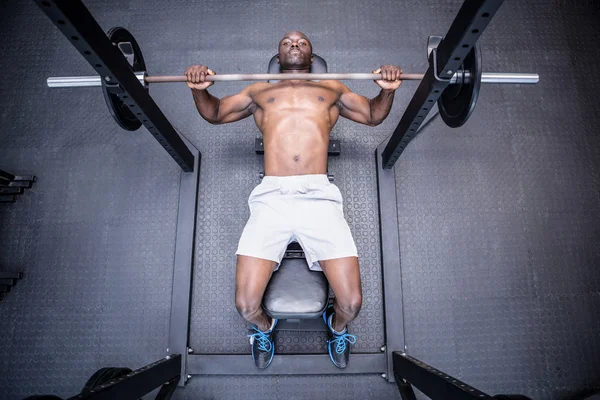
point(220, 111)
point(214, 110)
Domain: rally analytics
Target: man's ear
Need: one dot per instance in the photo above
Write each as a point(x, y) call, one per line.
point(312, 58)
point(277, 58)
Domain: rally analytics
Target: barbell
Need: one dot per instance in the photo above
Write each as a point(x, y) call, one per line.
point(90, 81)
point(456, 103)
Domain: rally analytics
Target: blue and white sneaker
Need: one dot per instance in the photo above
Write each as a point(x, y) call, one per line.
point(338, 344)
point(263, 346)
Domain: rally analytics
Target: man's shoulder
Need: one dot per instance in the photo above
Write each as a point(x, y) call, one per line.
point(257, 87)
point(335, 85)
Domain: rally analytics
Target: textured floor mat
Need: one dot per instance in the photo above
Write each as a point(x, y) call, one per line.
point(498, 219)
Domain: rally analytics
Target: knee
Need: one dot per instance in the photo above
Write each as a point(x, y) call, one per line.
point(246, 306)
point(351, 305)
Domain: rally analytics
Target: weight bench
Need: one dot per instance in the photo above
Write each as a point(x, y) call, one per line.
point(295, 295)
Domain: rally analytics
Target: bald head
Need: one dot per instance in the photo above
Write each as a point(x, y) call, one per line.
point(295, 51)
point(297, 34)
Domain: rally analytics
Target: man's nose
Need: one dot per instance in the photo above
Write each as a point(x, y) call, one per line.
point(295, 44)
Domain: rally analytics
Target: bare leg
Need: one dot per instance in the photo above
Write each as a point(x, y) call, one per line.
point(252, 276)
point(343, 275)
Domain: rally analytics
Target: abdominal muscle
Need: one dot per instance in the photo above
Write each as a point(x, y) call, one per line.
point(295, 141)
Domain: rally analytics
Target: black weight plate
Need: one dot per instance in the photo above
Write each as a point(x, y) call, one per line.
point(458, 101)
point(104, 375)
point(120, 112)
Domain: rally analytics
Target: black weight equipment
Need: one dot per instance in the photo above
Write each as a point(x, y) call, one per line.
point(126, 43)
point(457, 102)
point(104, 375)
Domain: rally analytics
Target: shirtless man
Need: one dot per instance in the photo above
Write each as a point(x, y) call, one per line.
point(295, 200)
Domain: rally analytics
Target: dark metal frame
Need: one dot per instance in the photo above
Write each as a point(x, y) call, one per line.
point(11, 275)
point(470, 22)
point(472, 18)
point(163, 373)
point(393, 301)
point(78, 25)
point(434, 383)
point(184, 263)
point(7, 281)
point(283, 364)
point(13, 185)
point(391, 265)
point(16, 180)
point(468, 25)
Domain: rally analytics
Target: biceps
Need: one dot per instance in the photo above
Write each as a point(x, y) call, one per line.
point(233, 108)
point(355, 107)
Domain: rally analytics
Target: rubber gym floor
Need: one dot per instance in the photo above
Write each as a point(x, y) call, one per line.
point(498, 220)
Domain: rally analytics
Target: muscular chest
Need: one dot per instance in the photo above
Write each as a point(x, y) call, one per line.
point(306, 97)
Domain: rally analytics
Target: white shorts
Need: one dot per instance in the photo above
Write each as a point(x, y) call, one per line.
point(304, 208)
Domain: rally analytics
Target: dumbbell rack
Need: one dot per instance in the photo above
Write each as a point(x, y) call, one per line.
point(7, 281)
point(12, 186)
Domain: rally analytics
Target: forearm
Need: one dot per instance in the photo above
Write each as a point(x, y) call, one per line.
point(207, 105)
point(381, 105)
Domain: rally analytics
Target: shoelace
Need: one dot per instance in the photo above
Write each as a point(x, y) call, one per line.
point(264, 343)
point(341, 342)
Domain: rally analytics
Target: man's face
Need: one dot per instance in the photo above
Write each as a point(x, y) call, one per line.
point(295, 51)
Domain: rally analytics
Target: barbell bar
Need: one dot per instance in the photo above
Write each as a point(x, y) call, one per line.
point(95, 81)
point(455, 104)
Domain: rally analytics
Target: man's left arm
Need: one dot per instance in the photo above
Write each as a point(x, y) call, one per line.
point(371, 111)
